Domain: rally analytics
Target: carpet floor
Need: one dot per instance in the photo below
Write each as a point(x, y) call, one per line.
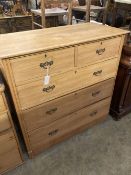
point(104, 149)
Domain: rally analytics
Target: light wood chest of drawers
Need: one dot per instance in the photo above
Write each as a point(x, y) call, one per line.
point(82, 61)
point(10, 154)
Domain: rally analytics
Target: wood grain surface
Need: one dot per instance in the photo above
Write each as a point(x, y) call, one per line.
point(81, 56)
point(57, 131)
point(32, 94)
point(44, 39)
point(49, 112)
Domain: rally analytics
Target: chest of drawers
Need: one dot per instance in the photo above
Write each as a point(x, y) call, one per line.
point(10, 154)
point(82, 62)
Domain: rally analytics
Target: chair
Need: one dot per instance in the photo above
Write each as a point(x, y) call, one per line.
point(88, 8)
point(51, 8)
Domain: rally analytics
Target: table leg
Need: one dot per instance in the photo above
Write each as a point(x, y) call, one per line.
point(114, 15)
point(69, 13)
point(32, 18)
point(88, 3)
point(105, 12)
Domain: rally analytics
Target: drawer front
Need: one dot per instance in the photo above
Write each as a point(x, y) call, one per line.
point(58, 108)
point(33, 67)
point(98, 72)
point(4, 122)
point(9, 153)
point(65, 127)
point(98, 51)
point(2, 104)
point(7, 142)
point(36, 93)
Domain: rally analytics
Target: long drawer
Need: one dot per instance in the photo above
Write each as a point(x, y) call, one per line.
point(2, 104)
point(53, 110)
point(32, 67)
point(59, 130)
point(98, 51)
point(36, 93)
point(9, 153)
point(4, 122)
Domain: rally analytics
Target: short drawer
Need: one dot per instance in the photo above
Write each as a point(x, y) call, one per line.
point(2, 104)
point(9, 153)
point(36, 93)
point(4, 122)
point(33, 67)
point(49, 112)
point(98, 51)
point(45, 137)
point(98, 72)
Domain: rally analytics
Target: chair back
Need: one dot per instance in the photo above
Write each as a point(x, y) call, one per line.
point(65, 4)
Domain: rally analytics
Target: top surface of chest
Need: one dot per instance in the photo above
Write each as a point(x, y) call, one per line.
point(45, 39)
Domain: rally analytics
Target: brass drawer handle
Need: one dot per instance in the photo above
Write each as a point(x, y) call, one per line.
point(46, 64)
point(97, 73)
point(11, 137)
point(54, 132)
point(51, 111)
point(94, 94)
point(93, 113)
point(100, 51)
point(49, 88)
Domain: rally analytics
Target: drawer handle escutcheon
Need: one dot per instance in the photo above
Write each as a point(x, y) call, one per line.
point(93, 113)
point(54, 132)
point(100, 51)
point(51, 111)
point(97, 73)
point(11, 137)
point(94, 94)
point(46, 64)
point(49, 88)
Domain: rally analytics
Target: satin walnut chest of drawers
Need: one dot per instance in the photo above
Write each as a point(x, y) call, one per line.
point(82, 62)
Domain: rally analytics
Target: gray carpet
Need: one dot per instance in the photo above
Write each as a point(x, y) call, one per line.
point(104, 149)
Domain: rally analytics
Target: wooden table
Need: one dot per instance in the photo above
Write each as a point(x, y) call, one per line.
point(53, 12)
point(123, 1)
point(92, 8)
point(87, 9)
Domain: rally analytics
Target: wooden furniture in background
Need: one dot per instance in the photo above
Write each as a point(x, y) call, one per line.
point(15, 24)
point(22, 23)
point(88, 8)
point(13, 8)
point(10, 153)
point(121, 5)
point(18, 7)
point(121, 101)
point(56, 11)
point(82, 62)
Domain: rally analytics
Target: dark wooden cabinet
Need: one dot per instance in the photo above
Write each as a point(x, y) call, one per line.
point(121, 101)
